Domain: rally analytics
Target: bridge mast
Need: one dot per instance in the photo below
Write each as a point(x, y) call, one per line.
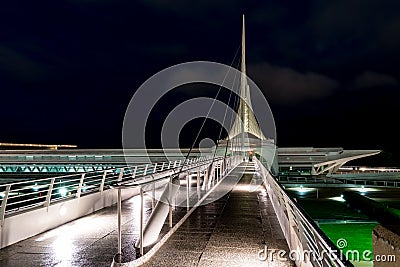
point(245, 123)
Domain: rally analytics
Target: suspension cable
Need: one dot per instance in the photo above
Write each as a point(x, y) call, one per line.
point(209, 111)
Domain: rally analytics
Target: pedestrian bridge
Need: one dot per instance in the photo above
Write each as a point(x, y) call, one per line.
point(224, 211)
point(221, 209)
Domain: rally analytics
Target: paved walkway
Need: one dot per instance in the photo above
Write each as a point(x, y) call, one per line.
point(89, 241)
point(228, 232)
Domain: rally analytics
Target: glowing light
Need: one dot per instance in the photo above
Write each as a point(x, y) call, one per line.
point(63, 191)
point(35, 187)
point(38, 145)
point(302, 189)
point(364, 190)
point(340, 199)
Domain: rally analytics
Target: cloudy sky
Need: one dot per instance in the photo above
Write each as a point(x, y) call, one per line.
point(329, 69)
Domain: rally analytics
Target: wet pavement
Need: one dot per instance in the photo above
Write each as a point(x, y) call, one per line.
point(228, 232)
point(89, 241)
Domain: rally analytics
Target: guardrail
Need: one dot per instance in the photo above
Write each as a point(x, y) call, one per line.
point(302, 234)
point(307, 179)
point(30, 194)
point(219, 167)
point(36, 168)
point(362, 169)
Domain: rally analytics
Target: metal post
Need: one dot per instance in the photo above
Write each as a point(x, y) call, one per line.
point(162, 167)
point(153, 194)
point(155, 168)
point(48, 197)
point(4, 204)
point(103, 179)
point(187, 190)
point(141, 221)
point(134, 172)
point(119, 222)
point(121, 174)
point(198, 183)
point(145, 169)
point(218, 172)
point(170, 201)
point(79, 190)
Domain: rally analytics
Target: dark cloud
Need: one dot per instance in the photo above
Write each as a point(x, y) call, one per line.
point(372, 79)
point(287, 86)
point(20, 66)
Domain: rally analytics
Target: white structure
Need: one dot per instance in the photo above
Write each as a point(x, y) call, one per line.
point(245, 122)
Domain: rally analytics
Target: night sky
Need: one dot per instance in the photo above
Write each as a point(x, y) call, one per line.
point(329, 69)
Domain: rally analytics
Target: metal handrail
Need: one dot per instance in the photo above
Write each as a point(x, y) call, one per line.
point(301, 227)
point(36, 193)
point(133, 183)
point(120, 185)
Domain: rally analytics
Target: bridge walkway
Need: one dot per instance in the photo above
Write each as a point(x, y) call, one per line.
point(227, 232)
point(88, 241)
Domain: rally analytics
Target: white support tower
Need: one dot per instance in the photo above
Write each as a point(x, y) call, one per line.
point(245, 122)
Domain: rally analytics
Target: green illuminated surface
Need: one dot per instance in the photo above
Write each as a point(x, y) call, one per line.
point(357, 235)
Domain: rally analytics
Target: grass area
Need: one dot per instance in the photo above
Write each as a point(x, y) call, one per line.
point(357, 235)
point(329, 209)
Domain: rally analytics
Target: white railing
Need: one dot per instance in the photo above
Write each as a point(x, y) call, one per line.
point(36, 193)
point(363, 169)
point(219, 167)
point(301, 232)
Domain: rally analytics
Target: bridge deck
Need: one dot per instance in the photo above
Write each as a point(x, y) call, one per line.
point(88, 241)
point(228, 232)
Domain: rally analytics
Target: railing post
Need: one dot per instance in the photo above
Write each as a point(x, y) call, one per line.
point(4, 204)
point(119, 210)
point(145, 169)
point(187, 190)
point(141, 221)
point(48, 197)
point(198, 183)
point(79, 190)
point(153, 193)
point(134, 172)
point(162, 167)
point(170, 201)
point(121, 174)
point(155, 168)
point(103, 180)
